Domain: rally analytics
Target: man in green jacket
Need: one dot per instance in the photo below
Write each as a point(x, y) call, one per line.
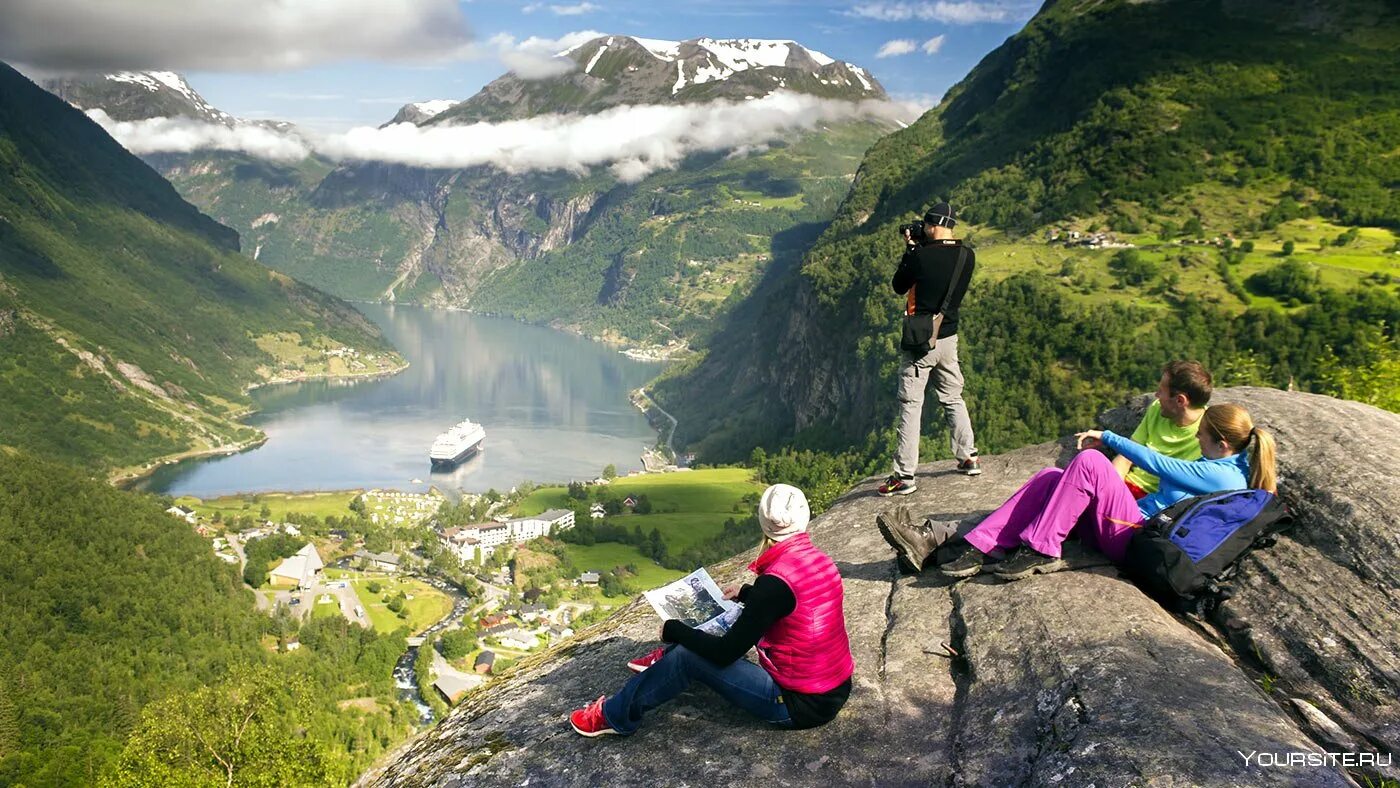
point(1170, 423)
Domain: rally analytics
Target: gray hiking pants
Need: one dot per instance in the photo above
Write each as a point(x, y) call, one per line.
point(940, 365)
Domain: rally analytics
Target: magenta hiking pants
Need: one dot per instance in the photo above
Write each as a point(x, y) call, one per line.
point(1089, 494)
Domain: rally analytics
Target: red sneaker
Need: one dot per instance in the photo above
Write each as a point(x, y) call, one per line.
point(589, 720)
point(642, 663)
point(897, 485)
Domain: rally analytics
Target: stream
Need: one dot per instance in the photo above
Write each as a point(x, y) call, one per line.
point(405, 671)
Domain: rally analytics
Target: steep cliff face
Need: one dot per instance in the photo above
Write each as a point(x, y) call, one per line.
point(1074, 678)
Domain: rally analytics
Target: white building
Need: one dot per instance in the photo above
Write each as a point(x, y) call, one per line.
point(301, 568)
point(517, 639)
point(523, 529)
point(597, 512)
point(385, 562)
point(472, 542)
point(461, 543)
point(491, 535)
point(183, 512)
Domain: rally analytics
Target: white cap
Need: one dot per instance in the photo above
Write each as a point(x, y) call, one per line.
point(783, 512)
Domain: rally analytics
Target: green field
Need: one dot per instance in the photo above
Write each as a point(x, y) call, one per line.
point(1085, 273)
point(710, 490)
point(606, 555)
point(688, 507)
point(319, 504)
point(325, 610)
point(426, 608)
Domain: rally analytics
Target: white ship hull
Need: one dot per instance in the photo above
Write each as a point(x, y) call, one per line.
point(457, 444)
point(462, 456)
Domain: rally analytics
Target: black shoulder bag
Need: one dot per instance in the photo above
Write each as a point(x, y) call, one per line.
point(921, 330)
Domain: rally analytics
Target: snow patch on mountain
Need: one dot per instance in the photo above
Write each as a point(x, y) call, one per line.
point(156, 81)
point(741, 54)
point(860, 75)
point(596, 56)
point(665, 50)
point(436, 106)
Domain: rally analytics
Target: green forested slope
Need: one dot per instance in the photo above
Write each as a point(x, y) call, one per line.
point(1222, 140)
point(112, 605)
point(129, 325)
point(668, 257)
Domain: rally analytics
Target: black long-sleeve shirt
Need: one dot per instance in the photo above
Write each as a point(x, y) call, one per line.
point(765, 602)
point(927, 269)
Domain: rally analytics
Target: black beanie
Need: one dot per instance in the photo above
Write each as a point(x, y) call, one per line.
point(941, 214)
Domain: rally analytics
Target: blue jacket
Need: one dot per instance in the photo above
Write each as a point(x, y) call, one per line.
point(1180, 478)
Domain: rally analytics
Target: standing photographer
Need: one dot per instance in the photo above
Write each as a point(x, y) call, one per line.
point(933, 274)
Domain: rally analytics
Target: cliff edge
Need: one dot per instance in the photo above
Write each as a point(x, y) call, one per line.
point(1068, 679)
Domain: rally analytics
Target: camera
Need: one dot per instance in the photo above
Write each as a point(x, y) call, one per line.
point(915, 230)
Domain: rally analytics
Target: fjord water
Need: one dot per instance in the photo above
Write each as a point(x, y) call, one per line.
point(554, 406)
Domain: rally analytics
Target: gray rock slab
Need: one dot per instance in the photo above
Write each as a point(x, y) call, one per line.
point(1071, 679)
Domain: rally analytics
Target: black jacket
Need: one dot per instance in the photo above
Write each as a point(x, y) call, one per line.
point(926, 271)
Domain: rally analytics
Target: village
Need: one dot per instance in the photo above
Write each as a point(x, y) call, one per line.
point(451, 587)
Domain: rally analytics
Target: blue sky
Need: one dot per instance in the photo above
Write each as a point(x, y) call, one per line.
point(330, 65)
point(337, 95)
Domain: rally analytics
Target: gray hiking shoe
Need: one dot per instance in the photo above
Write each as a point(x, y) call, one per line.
point(966, 564)
point(913, 543)
point(1027, 562)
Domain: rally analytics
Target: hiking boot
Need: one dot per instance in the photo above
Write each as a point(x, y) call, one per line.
point(589, 720)
point(643, 662)
point(897, 485)
point(966, 564)
point(970, 467)
point(1027, 562)
point(913, 543)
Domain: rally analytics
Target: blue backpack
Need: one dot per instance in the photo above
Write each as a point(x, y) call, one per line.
point(1183, 553)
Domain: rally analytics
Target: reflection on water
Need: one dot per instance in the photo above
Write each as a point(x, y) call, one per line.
point(554, 407)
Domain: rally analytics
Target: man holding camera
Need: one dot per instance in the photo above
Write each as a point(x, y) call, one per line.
point(933, 275)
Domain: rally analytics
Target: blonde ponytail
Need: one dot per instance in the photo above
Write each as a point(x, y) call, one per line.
point(1231, 423)
point(1263, 473)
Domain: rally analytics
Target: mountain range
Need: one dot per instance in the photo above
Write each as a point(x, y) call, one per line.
point(479, 236)
point(131, 324)
point(625, 70)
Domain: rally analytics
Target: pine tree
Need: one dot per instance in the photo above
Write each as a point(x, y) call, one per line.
point(9, 718)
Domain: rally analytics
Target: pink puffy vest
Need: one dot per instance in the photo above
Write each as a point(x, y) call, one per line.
point(806, 650)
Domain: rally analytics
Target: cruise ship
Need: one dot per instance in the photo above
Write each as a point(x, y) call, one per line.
point(457, 444)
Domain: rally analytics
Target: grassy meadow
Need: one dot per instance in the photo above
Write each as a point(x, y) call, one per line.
point(687, 508)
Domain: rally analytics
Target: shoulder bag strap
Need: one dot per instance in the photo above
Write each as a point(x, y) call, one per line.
point(953, 283)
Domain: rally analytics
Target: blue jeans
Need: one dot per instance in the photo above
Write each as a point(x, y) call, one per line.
point(742, 683)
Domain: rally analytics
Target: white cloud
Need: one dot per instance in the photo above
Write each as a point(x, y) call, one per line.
point(916, 104)
point(182, 135)
point(538, 58)
point(953, 12)
point(631, 141)
point(217, 35)
point(932, 45)
point(531, 8)
point(575, 9)
point(900, 46)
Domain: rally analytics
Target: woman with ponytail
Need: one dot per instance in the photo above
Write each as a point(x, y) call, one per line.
point(1034, 522)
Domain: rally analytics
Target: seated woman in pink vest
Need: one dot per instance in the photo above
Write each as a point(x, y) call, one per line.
point(792, 614)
